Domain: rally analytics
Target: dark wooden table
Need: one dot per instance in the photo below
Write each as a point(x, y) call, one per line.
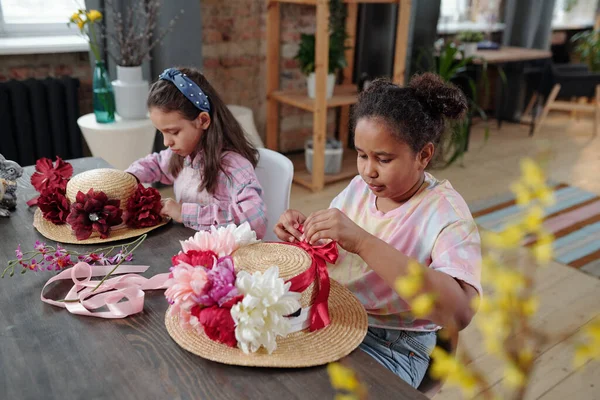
point(48, 353)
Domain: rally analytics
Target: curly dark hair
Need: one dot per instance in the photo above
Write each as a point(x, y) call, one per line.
point(223, 134)
point(415, 114)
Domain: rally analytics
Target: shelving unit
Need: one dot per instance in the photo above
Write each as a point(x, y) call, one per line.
point(344, 95)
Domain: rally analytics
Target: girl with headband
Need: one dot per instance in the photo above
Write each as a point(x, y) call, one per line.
point(208, 159)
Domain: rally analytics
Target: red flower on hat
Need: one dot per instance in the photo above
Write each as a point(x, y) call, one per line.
point(94, 212)
point(55, 206)
point(217, 321)
point(195, 258)
point(143, 208)
point(49, 177)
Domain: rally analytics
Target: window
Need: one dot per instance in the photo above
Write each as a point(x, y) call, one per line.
point(571, 13)
point(36, 17)
point(477, 15)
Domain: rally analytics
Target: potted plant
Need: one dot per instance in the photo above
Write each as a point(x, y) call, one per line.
point(103, 97)
point(587, 47)
point(133, 35)
point(337, 48)
point(469, 39)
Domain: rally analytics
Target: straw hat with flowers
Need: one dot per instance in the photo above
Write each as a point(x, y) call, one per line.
point(100, 205)
point(238, 301)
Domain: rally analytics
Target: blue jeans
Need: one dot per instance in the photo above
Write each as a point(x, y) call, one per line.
point(405, 353)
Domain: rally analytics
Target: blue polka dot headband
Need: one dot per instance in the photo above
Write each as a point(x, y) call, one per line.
point(188, 87)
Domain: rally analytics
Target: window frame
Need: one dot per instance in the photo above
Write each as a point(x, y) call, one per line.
point(12, 30)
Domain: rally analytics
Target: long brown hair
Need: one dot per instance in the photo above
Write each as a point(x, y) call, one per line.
point(223, 134)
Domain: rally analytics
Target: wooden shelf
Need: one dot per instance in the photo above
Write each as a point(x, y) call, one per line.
point(343, 95)
point(304, 178)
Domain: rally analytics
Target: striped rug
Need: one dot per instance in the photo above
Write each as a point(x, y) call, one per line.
point(574, 220)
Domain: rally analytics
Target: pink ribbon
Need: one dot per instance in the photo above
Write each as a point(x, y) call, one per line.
point(81, 300)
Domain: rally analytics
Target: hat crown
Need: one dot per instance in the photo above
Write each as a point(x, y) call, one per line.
point(291, 261)
point(116, 184)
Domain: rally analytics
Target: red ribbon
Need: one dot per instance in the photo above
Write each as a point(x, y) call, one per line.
point(320, 255)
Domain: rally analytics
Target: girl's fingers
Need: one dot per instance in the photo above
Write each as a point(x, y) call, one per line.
point(282, 234)
point(316, 231)
point(291, 226)
point(315, 217)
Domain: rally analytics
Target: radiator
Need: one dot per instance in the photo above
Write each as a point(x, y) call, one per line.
point(38, 118)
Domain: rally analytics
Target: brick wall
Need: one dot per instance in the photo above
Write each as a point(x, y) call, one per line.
point(40, 66)
point(234, 58)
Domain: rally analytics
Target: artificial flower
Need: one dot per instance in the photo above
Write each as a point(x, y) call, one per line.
point(186, 282)
point(223, 241)
point(93, 211)
point(143, 208)
point(221, 284)
point(513, 376)
point(341, 377)
point(422, 305)
point(49, 176)
point(217, 322)
point(195, 258)
point(94, 15)
point(54, 206)
point(260, 316)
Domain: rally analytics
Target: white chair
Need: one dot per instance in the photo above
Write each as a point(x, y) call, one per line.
point(275, 173)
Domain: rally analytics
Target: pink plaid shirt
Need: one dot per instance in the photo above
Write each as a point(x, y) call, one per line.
point(435, 227)
point(237, 198)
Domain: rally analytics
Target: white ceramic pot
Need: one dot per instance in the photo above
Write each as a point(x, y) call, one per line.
point(310, 84)
point(470, 49)
point(131, 92)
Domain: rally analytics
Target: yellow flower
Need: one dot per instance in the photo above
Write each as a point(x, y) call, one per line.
point(522, 194)
point(75, 17)
point(94, 15)
point(342, 378)
point(532, 173)
point(534, 218)
point(345, 396)
point(530, 306)
point(443, 363)
point(525, 357)
point(508, 281)
point(510, 237)
point(422, 305)
point(590, 350)
point(408, 286)
point(513, 376)
point(545, 195)
point(80, 24)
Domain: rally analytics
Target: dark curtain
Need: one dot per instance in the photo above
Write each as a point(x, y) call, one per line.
point(529, 25)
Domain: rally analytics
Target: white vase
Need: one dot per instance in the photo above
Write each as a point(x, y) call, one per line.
point(310, 84)
point(131, 92)
point(470, 48)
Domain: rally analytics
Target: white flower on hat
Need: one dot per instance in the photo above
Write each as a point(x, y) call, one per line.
point(222, 241)
point(260, 317)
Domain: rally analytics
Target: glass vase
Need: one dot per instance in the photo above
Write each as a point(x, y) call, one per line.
point(104, 98)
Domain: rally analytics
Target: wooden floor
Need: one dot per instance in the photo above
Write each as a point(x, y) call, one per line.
point(569, 299)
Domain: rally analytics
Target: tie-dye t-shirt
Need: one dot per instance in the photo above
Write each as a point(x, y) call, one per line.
point(435, 227)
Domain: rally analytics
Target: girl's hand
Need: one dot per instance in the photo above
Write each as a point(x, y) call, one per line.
point(172, 209)
point(287, 227)
point(332, 224)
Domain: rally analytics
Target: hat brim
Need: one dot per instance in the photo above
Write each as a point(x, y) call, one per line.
point(64, 233)
point(346, 331)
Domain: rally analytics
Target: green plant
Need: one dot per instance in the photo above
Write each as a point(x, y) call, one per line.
point(452, 65)
point(337, 42)
point(469, 37)
point(587, 47)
